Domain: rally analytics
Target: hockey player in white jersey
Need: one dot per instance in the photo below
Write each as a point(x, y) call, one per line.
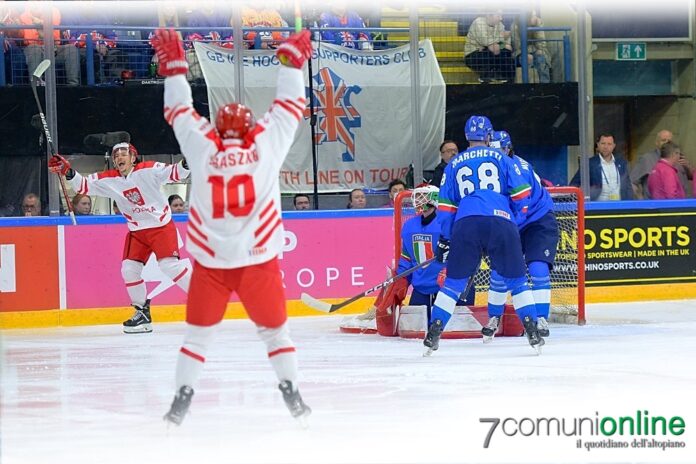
point(135, 187)
point(235, 231)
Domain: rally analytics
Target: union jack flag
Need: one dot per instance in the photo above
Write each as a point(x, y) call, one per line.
point(335, 114)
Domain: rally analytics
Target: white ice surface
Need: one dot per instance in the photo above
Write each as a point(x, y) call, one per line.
point(96, 395)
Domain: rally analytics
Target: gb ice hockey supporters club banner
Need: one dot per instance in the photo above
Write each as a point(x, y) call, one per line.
point(362, 102)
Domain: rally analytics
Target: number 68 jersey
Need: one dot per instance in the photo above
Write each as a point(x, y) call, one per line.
point(235, 210)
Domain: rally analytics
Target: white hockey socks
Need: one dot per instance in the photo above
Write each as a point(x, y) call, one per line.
point(281, 352)
point(132, 273)
point(191, 357)
point(176, 270)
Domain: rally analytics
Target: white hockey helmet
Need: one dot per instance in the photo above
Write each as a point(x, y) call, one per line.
point(424, 195)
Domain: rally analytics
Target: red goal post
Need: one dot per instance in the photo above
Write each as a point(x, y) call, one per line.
point(568, 275)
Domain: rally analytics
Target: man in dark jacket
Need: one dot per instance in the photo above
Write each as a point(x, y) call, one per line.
point(448, 149)
point(609, 179)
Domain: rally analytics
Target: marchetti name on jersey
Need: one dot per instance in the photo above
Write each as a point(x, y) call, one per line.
point(480, 153)
point(422, 238)
point(500, 213)
point(234, 158)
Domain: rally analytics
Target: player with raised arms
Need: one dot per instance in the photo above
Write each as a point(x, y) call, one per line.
point(235, 230)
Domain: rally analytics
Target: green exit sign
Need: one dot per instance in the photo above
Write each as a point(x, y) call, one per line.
point(631, 51)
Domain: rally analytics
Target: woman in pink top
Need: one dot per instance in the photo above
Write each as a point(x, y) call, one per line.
point(663, 181)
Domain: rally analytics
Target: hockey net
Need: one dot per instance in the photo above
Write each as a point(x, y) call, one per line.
point(568, 274)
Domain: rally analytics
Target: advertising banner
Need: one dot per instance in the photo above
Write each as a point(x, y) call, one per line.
point(326, 257)
point(639, 247)
point(28, 268)
point(362, 102)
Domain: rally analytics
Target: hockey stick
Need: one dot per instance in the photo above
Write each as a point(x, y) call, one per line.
point(330, 308)
point(38, 72)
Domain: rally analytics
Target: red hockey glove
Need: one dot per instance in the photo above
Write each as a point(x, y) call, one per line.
point(170, 52)
point(59, 165)
point(296, 50)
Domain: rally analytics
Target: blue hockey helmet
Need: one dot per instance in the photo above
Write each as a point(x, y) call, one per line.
point(501, 139)
point(478, 128)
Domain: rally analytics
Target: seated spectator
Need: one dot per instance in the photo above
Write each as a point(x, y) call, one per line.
point(448, 149)
point(645, 164)
point(663, 180)
point(262, 16)
point(177, 204)
point(488, 50)
point(396, 186)
point(608, 173)
point(114, 207)
point(357, 199)
point(339, 16)
point(82, 205)
point(208, 19)
point(33, 42)
point(538, 56)
point(301, 202)
point(31, 205)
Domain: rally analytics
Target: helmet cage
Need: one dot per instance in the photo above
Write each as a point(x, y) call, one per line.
point(425, 196)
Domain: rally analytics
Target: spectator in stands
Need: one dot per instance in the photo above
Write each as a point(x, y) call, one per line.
point(608, 173)
point(33, 41)
point(208, 19)
point(646, 163)
point(357, 199)
point(448, 149)
point(262, 16)
point(301, 202)
point(114, 207)
point(396, 186)
point(663, 180)
point(488, 49)
point(82, 205)
point(538, 56)
point(106, 57)
point(339, 16)
point(31, 205)
point(176, 203)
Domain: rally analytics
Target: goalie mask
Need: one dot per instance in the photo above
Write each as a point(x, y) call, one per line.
point(425, 197)
point(234, 121)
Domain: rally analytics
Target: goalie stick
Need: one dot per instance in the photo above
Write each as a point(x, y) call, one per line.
point(36, 75)
point(330, 308)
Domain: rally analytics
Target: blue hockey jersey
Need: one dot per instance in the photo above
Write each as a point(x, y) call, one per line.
point(481, 181)
point(540, 201)
point(418, 244)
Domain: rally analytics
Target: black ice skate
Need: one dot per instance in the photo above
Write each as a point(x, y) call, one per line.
point(432, 338)
point(543, 327)
point(293, 401)
point(533, 336)
point(491, 328)
point(180, 406)
point(141, 322)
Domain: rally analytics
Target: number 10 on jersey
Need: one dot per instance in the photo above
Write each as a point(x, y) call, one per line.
point(236, 196)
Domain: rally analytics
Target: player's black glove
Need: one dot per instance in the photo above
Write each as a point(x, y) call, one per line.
point(442, 251)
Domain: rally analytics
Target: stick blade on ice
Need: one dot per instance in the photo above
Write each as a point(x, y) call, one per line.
point(314, 303)
point(41, 68)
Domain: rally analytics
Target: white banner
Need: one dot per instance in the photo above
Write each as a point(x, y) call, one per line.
point(362, 103)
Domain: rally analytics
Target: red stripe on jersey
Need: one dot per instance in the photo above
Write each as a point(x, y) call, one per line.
point(181, 274)
point(174, 173)
point(133, 284)
point(447, 208)
point(290, 349)
point(263, 226)
point(144, 165)
point(195, 229)
point(289, 108)
point(250, 137)
point(109, 173)
point(194, 215)
point(84, 186)
point(201, 245)
point(266, 209)
point(269, 234)
point(178, 111)
point(164, 215)
point(193, 355)
point(130, 218)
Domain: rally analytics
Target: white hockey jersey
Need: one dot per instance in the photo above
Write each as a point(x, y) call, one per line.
point(235, 210)
point(137, 195)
